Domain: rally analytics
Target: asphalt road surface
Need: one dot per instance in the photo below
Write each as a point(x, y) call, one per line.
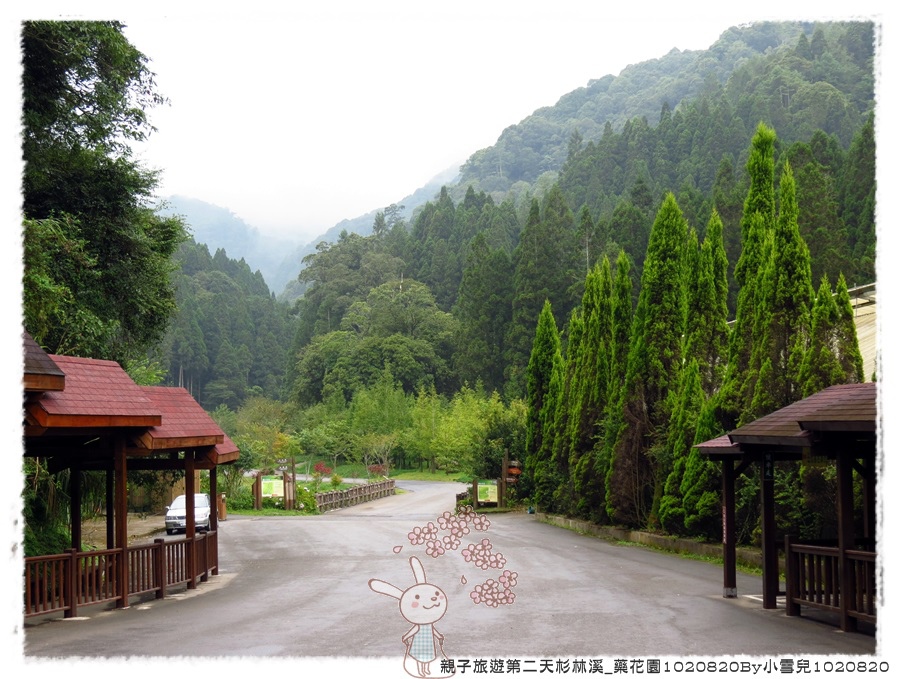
point(298, 588)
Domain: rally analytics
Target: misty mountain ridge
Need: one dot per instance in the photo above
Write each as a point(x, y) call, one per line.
point(218, 227)
point(527, 157)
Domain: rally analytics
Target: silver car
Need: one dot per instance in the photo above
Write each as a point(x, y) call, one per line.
point(176, 513)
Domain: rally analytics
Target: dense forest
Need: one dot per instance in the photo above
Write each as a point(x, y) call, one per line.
point(593, 296)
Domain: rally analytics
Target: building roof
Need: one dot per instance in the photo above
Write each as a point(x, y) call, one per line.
point(97, 393)
point(41, 373)
point(184, 422)
point(839, 408)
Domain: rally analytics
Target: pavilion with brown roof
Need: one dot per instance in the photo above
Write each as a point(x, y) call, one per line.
point(86, 414)
point(838, 425)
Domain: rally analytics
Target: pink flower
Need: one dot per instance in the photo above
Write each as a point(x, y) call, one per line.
point(434, 549)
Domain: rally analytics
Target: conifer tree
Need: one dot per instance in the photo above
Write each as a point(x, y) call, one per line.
point(784, 302)
point(654, 365)
point(545, 260)
point(846, 341)
point(596, 494)
point(701, 500)
point(757, 221)
point(545, 359)
point(590, 388)
point(680, 438)
point(706, 339)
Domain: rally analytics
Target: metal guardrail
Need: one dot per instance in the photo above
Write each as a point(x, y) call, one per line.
point(335, 499)
point(64, 582)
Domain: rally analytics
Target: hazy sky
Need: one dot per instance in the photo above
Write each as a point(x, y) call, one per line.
point(296, 121)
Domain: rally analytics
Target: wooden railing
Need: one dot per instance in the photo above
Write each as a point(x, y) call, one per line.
point(64, 582)
point(335, 499)
point(813, 574)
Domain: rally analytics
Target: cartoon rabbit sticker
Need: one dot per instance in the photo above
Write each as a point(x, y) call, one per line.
point(422, 604)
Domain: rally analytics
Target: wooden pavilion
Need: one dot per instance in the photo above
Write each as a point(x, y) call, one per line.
point(86, 414)
point(838, 425)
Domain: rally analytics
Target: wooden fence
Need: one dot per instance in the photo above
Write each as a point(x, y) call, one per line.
point(815, 575)
point(335, 499)
point(64, 582)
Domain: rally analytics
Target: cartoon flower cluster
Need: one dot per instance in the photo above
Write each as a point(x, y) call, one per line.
point(492, 593)
point(482, 555)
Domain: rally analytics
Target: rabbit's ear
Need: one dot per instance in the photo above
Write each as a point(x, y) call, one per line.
point(383, 587)
point(418, 570)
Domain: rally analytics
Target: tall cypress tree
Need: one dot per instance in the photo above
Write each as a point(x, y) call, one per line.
point(654, 364)
point(545, 357)
point(679, 440)
point(590, 388)
point(757, 222)
point(706, 339)
point(784, 302)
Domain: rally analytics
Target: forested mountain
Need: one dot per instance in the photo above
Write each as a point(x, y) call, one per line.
point(229, 338)
point(767, 71)
point(220, 229)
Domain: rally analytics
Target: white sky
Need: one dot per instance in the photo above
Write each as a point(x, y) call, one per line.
point(297, 121)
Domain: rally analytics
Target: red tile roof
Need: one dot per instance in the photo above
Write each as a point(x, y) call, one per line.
point(184, 422)
point(224, 452)
point(97, 394)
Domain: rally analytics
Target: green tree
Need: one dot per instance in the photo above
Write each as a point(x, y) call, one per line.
point(706, 338)
point(86, 90)
point(484, 311)
point(680, 438)
point(545, 357)
point(757, 222)
point(784, 303)
point(654, 368)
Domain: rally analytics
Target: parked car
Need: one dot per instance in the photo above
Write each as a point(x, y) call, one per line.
point(176, 513)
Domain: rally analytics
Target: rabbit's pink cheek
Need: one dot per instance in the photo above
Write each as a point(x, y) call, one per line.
point(415, 604)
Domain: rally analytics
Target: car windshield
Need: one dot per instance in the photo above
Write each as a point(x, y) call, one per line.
point(200, 500)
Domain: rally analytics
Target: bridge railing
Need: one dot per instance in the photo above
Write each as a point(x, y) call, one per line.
point(335, 499)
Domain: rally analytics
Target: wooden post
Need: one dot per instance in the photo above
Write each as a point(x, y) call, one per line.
point(729, 552)
point(75, 504)
point(213, 500)
point(257, 491)
point(70, 586)
point(767, 521)
point(792, 577)
point(190, 527)
point(161, 566)
point(121, 521)
point(845, 538)
point(474, 493)
point(504, 473)
point(110, 508)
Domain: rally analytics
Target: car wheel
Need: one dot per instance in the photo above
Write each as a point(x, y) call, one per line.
point(169, 531)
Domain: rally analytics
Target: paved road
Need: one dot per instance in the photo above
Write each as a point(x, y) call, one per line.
point(297, 587)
